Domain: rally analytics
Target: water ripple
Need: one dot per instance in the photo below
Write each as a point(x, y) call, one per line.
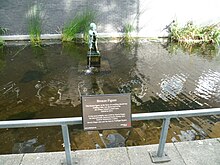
point(171, 86)
point(208, 85)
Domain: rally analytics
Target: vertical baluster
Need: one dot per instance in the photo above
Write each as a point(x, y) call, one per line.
point(160, 155)
point(66, 140)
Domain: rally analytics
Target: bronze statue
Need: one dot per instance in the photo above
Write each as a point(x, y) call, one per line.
point(93, 38)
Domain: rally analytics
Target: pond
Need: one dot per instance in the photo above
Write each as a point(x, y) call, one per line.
point(48, 82)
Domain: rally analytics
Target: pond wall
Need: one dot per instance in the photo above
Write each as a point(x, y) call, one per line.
point(149, 17)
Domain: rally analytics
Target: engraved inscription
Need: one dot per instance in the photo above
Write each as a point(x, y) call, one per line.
point(106, 111)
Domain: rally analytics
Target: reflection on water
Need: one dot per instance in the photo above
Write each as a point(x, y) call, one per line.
point(171, 87)
point(49, 82)
point(205, 50)
point(137, 89)
point(208, 85)
point(2, 60)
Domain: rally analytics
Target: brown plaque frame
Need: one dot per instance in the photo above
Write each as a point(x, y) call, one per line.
point(108, 111)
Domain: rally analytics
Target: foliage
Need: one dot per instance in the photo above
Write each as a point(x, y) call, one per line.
point(34, 25)
point(128, 29)
point(79, 24)
point(3, 30)
point(191, 34)
point(127, 39)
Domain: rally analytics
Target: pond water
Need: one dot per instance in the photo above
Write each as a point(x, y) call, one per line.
point(48, 82)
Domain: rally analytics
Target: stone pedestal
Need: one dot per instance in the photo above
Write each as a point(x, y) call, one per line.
point(95, 59)
point(104, 67)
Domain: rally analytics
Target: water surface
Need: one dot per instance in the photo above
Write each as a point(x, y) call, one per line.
point(48, 82)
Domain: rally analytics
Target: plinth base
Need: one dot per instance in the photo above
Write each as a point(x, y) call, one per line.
point(94, 59)
point(104, 67)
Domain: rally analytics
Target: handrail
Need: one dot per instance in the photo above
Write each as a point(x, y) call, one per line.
point(135, 117)
point(40, 122)
point(158, 156)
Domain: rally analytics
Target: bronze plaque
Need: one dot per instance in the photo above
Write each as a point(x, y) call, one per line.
point(102, 112)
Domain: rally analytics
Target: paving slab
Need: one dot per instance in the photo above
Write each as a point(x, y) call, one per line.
point(113, 156)
point(200, 152)
point(140, 155)
point(13, 159)
point(47, 158)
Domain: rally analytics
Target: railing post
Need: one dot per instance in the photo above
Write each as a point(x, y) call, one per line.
point(66, 140)
point(160, 155)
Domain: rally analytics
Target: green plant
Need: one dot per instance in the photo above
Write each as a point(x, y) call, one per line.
point(128, 29)
point(191, 34)
point(3, 30)
point(79, 24)
point(34, 25)
point(127, 39)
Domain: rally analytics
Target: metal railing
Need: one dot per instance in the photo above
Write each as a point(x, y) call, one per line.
point(158, 156)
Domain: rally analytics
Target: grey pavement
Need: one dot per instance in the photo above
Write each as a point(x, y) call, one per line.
point(201, 152)
point(111, 15)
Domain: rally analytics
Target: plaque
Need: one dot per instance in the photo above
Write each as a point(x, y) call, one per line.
point(102, 112)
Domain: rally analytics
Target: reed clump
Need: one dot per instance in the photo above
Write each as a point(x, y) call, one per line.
point(34, 25)
point(78, 25)
point(128, 29)
point(127, 39)
point(191, 34)
point(2, 31)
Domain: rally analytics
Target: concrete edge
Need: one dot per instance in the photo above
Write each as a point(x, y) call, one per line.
point(59, 36)
point(180, 153)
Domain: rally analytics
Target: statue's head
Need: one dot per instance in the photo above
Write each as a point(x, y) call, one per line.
point(93, 26)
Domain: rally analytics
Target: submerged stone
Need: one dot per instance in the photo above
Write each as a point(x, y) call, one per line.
point(40, 148)
point(115, 140)
point(28, 147)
